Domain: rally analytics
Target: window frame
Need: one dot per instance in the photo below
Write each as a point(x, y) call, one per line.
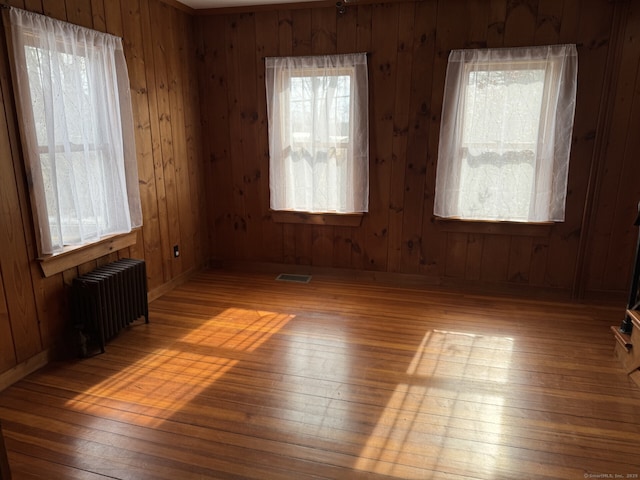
point(279, 101)
point(313, 73)
point(102, 244)
point(73, 147)
point(560, 78)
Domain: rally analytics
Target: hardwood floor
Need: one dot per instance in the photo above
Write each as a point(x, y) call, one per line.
point(241, 376)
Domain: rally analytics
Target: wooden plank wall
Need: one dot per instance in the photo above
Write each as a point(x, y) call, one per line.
point(203, 149)
point(160, 49)
point(408, 43)
point(612, 238)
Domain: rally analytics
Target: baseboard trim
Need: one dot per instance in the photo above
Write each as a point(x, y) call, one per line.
point(400, 279)
point(407, 280)
point(25, 368)
point(173, 283)
point(43, 358)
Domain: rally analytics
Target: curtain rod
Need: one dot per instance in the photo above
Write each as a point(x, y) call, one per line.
point(316, 55)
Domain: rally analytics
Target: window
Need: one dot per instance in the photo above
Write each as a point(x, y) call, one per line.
point(318, 133)
point(505, 137)
point(77, 130)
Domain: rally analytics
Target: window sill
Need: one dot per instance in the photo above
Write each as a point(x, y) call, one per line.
point(74, 256)
point(459, 225)
point(333, 219)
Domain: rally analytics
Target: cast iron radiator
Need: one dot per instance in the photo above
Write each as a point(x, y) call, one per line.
point(108, 299)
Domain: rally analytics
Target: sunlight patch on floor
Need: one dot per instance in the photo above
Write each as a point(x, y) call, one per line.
point(427, 425)
point(198, 359)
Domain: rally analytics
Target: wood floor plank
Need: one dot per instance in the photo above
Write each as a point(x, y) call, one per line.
point(240, 376)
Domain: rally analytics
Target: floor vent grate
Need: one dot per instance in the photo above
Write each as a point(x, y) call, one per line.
point(290, 277)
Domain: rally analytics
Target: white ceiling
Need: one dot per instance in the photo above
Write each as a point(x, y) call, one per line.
point(202, 4)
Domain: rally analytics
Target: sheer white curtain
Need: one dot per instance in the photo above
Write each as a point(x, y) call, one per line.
point(505, 135)
point(318, 133)
point(77, 130)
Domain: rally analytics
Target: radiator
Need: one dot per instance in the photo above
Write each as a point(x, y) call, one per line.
point(106, 300)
